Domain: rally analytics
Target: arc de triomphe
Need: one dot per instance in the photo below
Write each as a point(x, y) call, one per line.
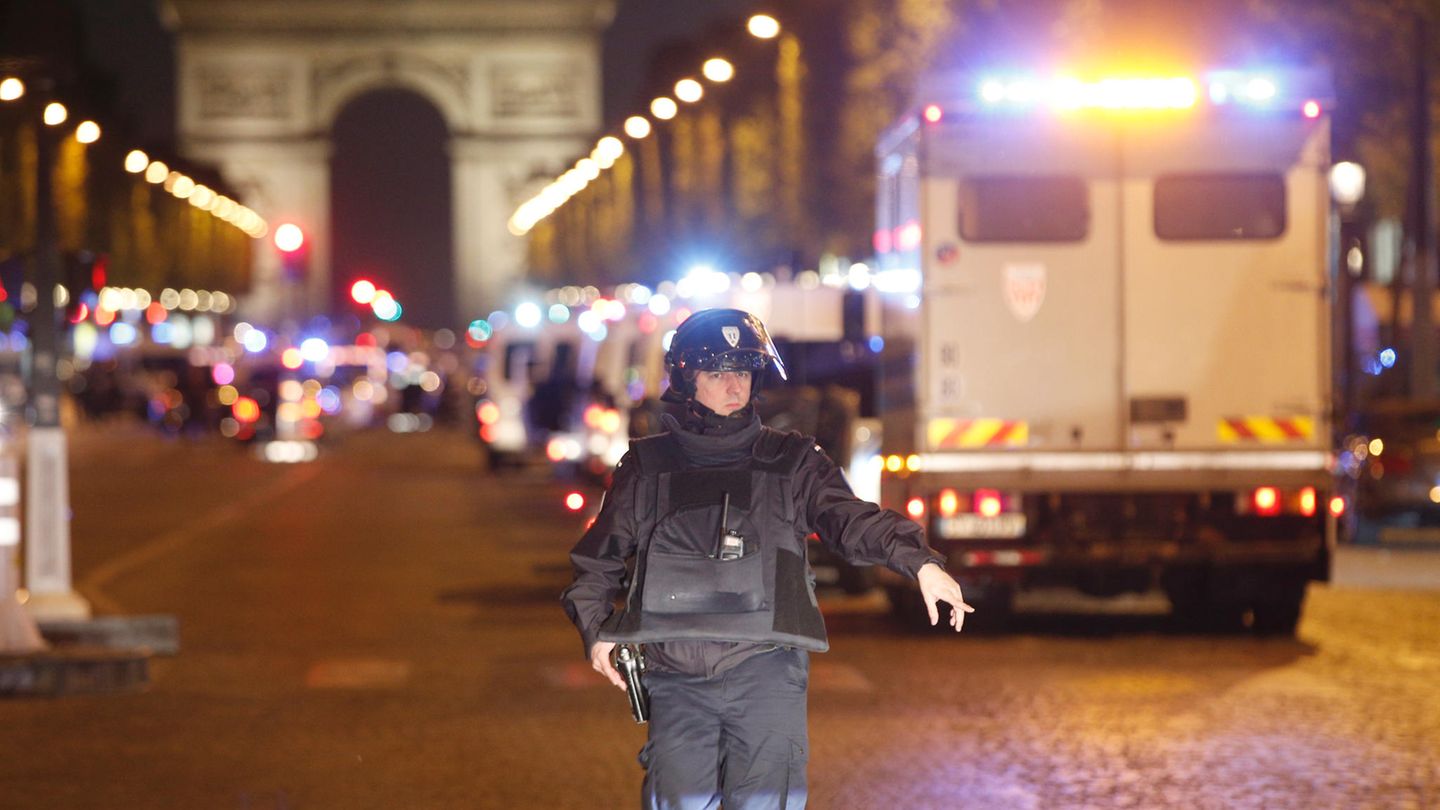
point(260, 83)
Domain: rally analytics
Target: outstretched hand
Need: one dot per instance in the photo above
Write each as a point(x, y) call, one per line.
point(600, 662)
point(936, 585)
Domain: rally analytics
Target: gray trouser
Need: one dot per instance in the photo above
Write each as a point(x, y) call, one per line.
point(739, 737)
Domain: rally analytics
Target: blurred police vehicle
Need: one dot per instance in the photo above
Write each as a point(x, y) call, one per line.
point(1392, 459)
point(1106, 358)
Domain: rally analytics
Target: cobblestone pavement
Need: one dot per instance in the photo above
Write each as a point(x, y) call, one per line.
point(381, 630)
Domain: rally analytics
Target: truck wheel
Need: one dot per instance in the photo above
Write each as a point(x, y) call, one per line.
point(1277, 608)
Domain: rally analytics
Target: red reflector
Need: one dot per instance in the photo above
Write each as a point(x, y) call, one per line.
point(1267, 501)
point(915, 507)
point(574, 502)
point(1337, 506)
point(1307, 501)
point(987, 502)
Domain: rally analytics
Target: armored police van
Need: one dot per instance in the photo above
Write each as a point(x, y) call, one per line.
point(1107, 343)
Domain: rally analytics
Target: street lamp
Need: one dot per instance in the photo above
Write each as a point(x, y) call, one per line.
point(1347, 188)
point(1347, 183)
point(637, 127)
point(763, 26)
point(11, 88)
point(87, 132)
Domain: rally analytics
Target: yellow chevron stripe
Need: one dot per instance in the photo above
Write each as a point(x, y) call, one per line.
point(1266, 430)
point(938, 430)
point(979, 432)
point(1020, 436)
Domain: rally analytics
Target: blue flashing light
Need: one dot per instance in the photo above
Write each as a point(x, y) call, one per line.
point(1387, 358)
point(329, 399)
point(122, 333)
point(397, 362)
point(162, 333)
point(877, 344)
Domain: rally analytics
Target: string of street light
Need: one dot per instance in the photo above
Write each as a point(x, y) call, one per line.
point(609, 148)
point(178, 184)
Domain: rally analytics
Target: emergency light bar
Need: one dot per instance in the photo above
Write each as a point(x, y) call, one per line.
point(1304, 91)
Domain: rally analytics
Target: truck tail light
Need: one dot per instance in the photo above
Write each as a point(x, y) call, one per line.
point(987, 502)
point(487, 412)
point(949, 503)
point(1266, 501)
point(1337, 506)
point(915, 508)
point(1307, 501)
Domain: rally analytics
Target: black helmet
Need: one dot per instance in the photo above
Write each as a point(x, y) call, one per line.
point(719, 340)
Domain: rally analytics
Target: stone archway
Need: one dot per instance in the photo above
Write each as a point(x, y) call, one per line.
point(261, 82)
point(391, 205)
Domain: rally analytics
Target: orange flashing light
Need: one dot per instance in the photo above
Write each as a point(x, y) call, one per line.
point(246, 410)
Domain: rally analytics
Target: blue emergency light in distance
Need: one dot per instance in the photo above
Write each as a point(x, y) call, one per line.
point(1259, 90)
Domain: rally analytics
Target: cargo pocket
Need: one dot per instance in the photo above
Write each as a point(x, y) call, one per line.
point(686, 583)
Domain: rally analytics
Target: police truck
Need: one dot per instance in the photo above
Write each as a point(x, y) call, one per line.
point(1107, 337)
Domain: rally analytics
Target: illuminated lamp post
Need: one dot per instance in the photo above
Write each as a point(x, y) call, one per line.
point(294, 260)
point(47, 477)
point(1347, 188)
point(18, 633)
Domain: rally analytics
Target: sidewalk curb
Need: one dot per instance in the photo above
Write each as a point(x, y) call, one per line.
point(78, 670)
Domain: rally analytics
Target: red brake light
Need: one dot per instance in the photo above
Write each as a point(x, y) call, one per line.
point(933, 113)
point(1266, 501)
point(574, 502)
point(987, 502)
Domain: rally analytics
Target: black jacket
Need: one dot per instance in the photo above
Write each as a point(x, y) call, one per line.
point(821, 502)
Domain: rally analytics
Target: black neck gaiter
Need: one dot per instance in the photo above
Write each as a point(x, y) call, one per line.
point(709, 439)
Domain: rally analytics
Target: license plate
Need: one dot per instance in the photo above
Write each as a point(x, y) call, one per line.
point(961, 527)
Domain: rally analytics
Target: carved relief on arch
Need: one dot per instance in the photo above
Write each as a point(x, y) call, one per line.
point(446, 84)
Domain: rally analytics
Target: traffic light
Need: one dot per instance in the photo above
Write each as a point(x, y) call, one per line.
point(294, 251)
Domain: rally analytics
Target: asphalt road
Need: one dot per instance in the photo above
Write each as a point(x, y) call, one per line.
point(380, 629)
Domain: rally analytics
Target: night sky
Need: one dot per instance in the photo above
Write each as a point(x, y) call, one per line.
point(390, 223)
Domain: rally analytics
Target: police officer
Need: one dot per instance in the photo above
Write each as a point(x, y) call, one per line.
point(701, 538)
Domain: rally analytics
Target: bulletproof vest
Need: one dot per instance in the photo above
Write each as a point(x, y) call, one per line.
point(682, 585)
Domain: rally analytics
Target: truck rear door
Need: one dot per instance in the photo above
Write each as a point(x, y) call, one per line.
point(1021, 285)
point(1225, 329)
